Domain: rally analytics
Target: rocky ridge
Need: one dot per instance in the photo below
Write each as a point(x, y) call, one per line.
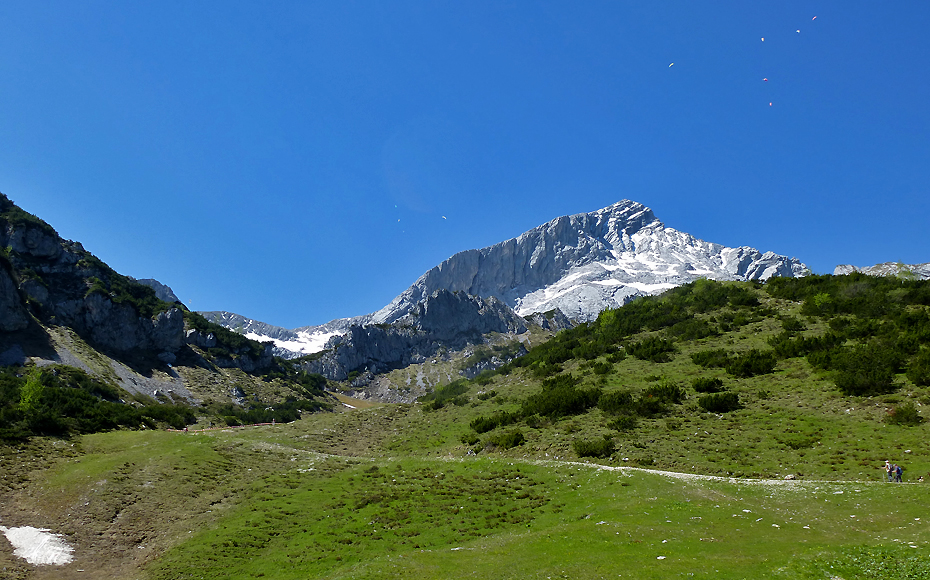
point(917, 271)
point(585, 263)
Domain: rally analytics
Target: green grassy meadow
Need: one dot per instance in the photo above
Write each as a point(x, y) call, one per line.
point(416, 491)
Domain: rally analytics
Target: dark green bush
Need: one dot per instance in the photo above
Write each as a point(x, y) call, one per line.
point(711, 358)
point(616, 402)
point(507, 440)
point(653, 348)
point(598, 448)
point(487, 395)
point(666, 392)
point(720, 402)
point(905, 414)
point(560, 397)
point(624, 423)
point(601, 368)
point(707, 385)
point(751, 363)
point(918, 371)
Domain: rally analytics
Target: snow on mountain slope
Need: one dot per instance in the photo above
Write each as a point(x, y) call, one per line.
point(587, 262)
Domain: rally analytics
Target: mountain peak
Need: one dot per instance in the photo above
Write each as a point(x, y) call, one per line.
point(586, 262)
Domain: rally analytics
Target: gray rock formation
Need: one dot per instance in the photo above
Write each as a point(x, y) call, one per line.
point(12, 314)
point(584, 263)
point(162, 291)
point(66, 286)
point(443, 320)
point(915, 271)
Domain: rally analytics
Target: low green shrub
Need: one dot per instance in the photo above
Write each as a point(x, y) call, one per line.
point(624, 423)
point(720, 402)
point(507, 440)
point(905, 414)
point(751, 363)
point(707, 385)
point(597, 448)
point(616, 402)
point(711, 358)
point(653, 348)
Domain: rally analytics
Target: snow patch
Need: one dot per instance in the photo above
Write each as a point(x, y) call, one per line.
point(306, 342)
point(38, 546)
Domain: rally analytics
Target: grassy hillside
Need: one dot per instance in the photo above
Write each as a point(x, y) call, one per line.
point(550, 467)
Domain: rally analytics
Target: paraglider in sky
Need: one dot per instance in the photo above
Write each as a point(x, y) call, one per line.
point(443, 217)
point(814, 18)
point(670, 66)
point(798, 31)
point(766, 80)
point(770, 103)
point(763, 39)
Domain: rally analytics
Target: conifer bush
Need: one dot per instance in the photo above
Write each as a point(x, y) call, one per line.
point(598, 448)
point(720, 402)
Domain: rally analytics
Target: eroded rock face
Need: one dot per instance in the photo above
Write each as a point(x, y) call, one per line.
point(12, 314)
point(584, 263)
point(444, 320)
point(56, 275)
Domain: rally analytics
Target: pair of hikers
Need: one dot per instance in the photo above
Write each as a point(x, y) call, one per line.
point(894, 472)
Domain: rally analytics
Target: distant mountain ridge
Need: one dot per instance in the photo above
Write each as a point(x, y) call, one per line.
point(587, 262)
point(575, 265)
point(918, 271)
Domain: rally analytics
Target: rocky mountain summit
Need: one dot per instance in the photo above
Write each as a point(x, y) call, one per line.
point(570, 268)
point(584, 263)
point(917, 271)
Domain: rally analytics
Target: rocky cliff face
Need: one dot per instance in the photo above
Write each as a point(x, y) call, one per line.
point(52, 281)
point(916, 271)
point(64, 284)
point(584, 263)
point(444, 319)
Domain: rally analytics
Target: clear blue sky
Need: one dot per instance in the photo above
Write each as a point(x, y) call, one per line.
point(257, 157)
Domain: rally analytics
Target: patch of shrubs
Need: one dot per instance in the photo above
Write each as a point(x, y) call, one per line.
point(711, 358)
point(444, 394)
point(707, 385)
point(720, 402)
point(62, 401)
point(507, 440)
point(918, 371)
point(624, 423)
point(905, 414)
point(560, 397)
point(751, 363)
point(653, 348)
point(597, 448)
point(484, 424)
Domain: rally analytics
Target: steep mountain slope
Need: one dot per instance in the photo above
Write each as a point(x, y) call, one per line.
point(584, 263)
point(61, 305)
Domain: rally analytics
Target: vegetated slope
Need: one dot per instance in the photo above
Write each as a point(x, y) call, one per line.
point(113, 354)
point(394, 490)
point(823, 376)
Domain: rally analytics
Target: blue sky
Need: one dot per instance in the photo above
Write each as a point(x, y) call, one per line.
point(293, 161)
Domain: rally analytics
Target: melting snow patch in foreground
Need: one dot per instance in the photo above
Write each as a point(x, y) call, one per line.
point(38, 546)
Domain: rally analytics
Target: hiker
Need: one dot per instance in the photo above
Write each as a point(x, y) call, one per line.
point(888, 470)
point(898, 472)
